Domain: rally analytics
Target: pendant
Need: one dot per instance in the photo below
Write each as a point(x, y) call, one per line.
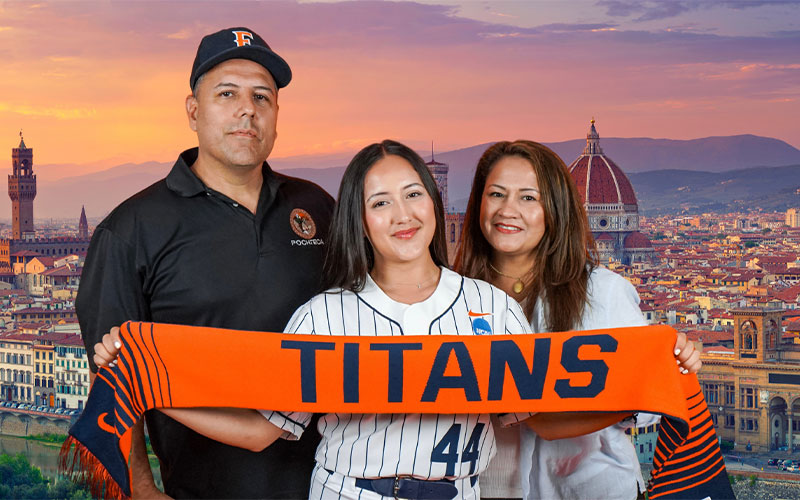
point(518, 286)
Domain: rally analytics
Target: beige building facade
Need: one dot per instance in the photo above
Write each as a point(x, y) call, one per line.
point(753, 393)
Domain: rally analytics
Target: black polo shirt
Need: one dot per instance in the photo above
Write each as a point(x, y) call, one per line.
point(179, 252)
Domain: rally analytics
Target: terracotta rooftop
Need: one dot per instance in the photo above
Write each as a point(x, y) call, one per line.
point(72, 340)
point(63, 271)
point(24, 337)
point(26, 253)
point(31, 326)
point(47, 261)
point(637, 240)
point(710, 336)
point(57, 337)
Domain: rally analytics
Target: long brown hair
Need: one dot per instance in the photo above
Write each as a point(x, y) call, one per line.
point(350, 256)
point(566, 255)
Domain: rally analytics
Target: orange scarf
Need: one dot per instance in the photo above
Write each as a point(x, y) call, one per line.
point(182, 366)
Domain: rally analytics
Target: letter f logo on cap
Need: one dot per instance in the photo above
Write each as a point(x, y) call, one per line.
point(242, 38)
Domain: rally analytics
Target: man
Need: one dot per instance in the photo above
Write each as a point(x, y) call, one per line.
point(222, 241)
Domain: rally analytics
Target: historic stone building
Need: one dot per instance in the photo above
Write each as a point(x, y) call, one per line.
point(753, 393)
point(793, 217)
point(22, 191)
point(16, 368)
point(610, 204)
point(454, 221)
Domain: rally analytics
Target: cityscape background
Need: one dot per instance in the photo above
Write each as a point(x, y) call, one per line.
point(693, 102)
point(101, 84)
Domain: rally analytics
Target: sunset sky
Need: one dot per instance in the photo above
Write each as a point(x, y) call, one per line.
point(97, 84)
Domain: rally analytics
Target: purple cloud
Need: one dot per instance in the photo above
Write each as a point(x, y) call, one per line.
point(654, 10)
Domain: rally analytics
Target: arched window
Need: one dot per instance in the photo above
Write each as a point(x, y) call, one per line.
point(452, 233)
point(773, 335)
point(748, 335)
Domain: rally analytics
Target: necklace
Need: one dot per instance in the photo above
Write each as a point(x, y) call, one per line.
point(518, 285)
point(418, 284)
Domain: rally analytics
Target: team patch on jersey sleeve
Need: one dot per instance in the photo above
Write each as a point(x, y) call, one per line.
point(479, 325)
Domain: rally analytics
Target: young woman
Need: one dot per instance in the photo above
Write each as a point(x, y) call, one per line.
point(385, 274)
point(526, 232)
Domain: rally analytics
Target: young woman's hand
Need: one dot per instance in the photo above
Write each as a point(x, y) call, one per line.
point(688, 356)
point(105, 351)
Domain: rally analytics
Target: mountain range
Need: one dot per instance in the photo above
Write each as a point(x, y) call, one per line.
point(709, 174)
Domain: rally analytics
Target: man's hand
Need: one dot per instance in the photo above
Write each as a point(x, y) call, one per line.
point(688, 356)
point(105, 351)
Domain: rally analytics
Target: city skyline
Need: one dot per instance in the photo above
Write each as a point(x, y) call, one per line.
point(100, 84)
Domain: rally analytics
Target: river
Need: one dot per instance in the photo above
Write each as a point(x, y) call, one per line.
point(41, 455)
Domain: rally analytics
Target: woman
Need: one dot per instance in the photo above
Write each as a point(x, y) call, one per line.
point(385, 274)
point(526, 232)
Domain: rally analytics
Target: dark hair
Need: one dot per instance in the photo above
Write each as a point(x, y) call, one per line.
point(566, 255)
point(349, 255)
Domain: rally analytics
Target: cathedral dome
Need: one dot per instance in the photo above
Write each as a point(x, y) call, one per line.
point(637, 240)
point(600, 180)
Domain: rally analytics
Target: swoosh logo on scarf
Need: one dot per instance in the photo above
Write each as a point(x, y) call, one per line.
point(102, 424)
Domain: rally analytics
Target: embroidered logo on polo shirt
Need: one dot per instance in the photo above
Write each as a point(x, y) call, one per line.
point(302, 224)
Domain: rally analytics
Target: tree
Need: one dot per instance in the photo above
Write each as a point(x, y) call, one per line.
point(20, 479)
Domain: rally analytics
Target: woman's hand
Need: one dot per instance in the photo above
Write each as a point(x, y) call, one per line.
point(105, 351)
point(688, 356)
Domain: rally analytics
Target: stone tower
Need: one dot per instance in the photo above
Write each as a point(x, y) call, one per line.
point(757, 333)
point(83, 225)
point(439, 172)
point(22, 191)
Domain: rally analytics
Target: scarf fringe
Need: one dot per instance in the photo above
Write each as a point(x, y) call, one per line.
point(80, 465)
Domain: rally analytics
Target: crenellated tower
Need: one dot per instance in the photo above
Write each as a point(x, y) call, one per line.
point(22, 191)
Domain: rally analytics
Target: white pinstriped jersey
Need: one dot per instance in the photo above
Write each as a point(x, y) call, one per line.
point(424, 446)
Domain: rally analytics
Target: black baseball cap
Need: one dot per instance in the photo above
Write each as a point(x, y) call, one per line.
point(238, 43)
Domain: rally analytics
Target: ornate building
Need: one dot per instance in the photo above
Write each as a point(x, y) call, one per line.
point(23, 243)
point(454, 221)
point(610, 204)
point(753, 392)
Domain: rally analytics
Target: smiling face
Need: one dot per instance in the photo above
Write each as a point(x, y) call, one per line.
point(234, 112)
point(399, 215)
point(512, 216)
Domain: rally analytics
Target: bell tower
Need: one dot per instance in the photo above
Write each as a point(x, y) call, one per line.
point(22, 191)
point(83, 225)
point(757, 333)
point(439, 172)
